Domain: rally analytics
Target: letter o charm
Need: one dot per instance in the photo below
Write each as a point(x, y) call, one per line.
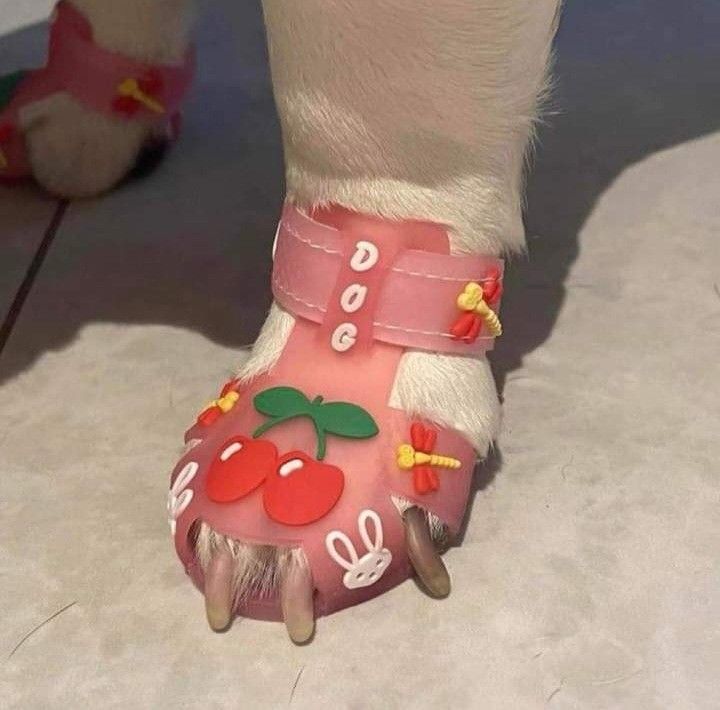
point(365, 256)
point(353, 298)
point(344, 337)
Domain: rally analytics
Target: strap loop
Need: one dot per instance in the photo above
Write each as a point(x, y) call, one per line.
point(407, 298)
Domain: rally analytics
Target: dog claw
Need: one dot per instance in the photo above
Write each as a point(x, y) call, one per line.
point(296, 600)
point(218, 590)
point(423, 555)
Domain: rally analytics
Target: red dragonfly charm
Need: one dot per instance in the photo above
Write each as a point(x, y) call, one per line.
point(420, 459)
point(475, 303)
point(136, 93)
point(229, 397)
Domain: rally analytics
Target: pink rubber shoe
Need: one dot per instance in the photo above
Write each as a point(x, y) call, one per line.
point(310, 455)
point(103, 81)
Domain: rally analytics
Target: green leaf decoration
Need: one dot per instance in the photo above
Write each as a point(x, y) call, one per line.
point(281, 404)
point(285, 402)
point(345, 419)
point(8, 84)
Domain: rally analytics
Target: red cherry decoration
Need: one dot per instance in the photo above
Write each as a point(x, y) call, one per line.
point(301, 490)
point(239, 467)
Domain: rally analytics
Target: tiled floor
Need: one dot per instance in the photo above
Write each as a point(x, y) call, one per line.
point(589, 574)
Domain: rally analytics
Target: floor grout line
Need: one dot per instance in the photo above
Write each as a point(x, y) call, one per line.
point(31, 274)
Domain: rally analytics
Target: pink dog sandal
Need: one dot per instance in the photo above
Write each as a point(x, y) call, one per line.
point(103, 81)
point(309, 455)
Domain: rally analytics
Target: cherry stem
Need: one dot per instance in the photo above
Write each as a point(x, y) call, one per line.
point(321, 434)
point(322, 441)
point(270, 423)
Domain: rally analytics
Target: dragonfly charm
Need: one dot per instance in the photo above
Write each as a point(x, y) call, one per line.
point(133, 94)
point(229, 397)
point(475, 303)
point(419, 458)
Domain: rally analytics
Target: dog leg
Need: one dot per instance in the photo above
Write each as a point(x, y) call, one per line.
point(409, 109)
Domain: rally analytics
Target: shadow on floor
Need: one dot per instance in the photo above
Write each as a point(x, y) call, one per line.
point(634, 77)
point(190, 245)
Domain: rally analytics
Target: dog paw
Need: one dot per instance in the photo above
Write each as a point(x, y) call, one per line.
point(234, 571)
point(453, 392)
point(75, 152)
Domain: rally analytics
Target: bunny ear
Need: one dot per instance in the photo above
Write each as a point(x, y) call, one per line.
point(188, 472)
point(176, 506)
point(179, 505)
point(352, 558)
point(365, 532)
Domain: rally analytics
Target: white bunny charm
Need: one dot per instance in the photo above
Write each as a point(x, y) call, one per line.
point(180, 495)
point(368, 569)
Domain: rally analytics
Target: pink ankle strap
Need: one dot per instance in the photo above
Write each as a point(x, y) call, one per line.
point(361, 287)
point(104, 81)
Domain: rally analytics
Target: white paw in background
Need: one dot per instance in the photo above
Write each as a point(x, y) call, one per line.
point(180, 496)
point(366, 570)
point(75, 152)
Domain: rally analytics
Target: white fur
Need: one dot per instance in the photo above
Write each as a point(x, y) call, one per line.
point(75, 152)
point(258, 568)
point(454, 392)
point(412, 108)
point(269, 344)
